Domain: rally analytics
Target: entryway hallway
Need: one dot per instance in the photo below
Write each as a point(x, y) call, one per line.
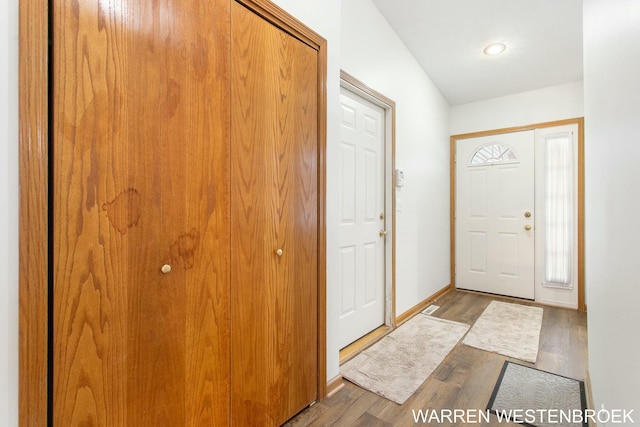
point(466, 377)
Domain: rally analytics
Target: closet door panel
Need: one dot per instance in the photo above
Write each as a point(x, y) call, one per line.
point(274, 222)
point(140, 148)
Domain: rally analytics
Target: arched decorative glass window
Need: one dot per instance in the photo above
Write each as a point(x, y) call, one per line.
point(494, 153)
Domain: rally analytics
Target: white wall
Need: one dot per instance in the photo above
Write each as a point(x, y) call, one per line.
point(324, 18)
point(612, 121)
point(536, 106)
point(361, 42)
point(9, 212)
point(371, 52)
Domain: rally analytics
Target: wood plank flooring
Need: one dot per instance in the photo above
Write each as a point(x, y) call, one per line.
point(466, 377)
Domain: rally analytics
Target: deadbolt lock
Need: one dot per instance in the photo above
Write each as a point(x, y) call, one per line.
point(382, 215)
point(527, 214)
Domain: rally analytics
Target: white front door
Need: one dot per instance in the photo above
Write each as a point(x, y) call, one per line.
point(362, 204)
point(494, 214)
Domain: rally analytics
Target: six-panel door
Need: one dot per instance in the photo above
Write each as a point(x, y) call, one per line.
point(362, 217)
point(495, 214)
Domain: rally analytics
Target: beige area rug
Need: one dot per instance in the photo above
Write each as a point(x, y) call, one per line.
point(399, 363)
point(512, 330)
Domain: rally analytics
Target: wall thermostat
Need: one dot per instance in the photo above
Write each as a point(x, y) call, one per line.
point(399, 178)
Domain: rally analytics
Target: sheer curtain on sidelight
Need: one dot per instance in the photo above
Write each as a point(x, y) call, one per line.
point(559, 210)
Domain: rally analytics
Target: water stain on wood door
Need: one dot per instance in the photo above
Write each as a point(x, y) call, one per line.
point(185, 215)
point(140, 172)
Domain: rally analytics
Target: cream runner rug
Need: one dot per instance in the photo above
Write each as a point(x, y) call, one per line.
point(512, 330)
point(399, 363)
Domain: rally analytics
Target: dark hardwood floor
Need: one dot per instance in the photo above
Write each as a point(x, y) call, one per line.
point(466, 377)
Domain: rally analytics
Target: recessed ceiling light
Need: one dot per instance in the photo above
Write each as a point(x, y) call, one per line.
point(495, 49)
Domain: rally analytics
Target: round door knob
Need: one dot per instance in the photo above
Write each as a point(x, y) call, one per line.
point(527, 227)
point(166, 269)
point(383, 233)
point(279, 252)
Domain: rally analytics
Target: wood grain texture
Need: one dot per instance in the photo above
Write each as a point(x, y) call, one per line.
point(118, 66)
point(141, 149)
point(274, 205)
point(33, 214)
point(280, 18)
point(274, 14)
point(582, 306)
point(353, 349)
point(334, 385)
point(376, 335)
point(465, 378)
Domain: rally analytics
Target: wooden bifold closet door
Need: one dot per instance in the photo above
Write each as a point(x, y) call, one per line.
point(185, 215)
point(274, 203)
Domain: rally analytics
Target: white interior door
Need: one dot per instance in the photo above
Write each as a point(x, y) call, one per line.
point(494, 214)
point(362, 204)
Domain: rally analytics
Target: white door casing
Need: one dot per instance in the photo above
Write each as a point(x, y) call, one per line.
point(494, 236)
point(362, 212)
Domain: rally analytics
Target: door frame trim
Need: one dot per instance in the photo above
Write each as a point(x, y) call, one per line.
point(33, 160)
point(359, 88)
point(34, 210)
point(579, 121)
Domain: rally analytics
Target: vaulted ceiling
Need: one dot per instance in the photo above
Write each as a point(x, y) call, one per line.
point(543, 41)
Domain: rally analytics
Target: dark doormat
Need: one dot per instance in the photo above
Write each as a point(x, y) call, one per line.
point(537, 398)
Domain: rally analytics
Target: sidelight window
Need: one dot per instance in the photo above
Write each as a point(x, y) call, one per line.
point(559, 210)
